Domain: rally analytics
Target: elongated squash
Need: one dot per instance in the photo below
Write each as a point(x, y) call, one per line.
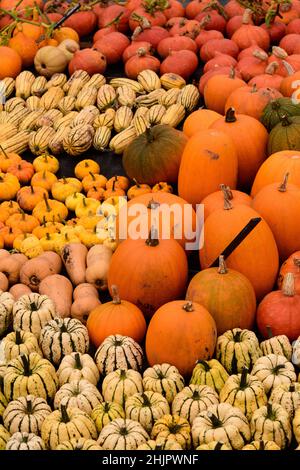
point(98, 261)
point(74, 258)
point(60, 291)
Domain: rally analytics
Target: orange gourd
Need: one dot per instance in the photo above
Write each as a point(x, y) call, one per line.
point(149, 273)
point(227, 294)
point(215, 201)
point(209, 159)
point(25, 46)
point(219, 88)
point(256, 257)
point(199, 120)
point(250, 138)
point(180, 333)
point(116, 317)
point(11, 62)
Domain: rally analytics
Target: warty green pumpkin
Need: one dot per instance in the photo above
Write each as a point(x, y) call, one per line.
point(164, 379)
point(26, 414)
point(271, 422)
point(146, 407)
point(122, 434)
point(273, 370)
point(106, 412)
point(78, 394)
point(120, 384)
point(210, 373)
point(175, 426)
point(192, 400)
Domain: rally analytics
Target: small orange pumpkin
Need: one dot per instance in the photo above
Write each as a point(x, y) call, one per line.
point(85, 167)
point(9, 234)
point(118, 182)
point(43, 179)
point(25, 222)
point(96, 193)
point(8, 159)
point(162, 187)
point(138, 189)
point(29, 196)
point(23, 170)
point(93, 179)
point(291, 265)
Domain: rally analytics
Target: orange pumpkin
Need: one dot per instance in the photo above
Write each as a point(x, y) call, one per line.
point(32, 31)
point(8, 159)
point(279, 205)
point(250, 138)
point(113, 191)
point(11, 62)
point(9, 234)
point(25, 46)
point(256, 257)
point(227, 294)
point(291, 265)
point(43, 179)
point(165, 187)
point(22, 221)
point(116, 317)
point(251, 100)
point(23, 170)
point(218, 89)
point(11, 207)
point(289, 84)
point(180, 333)
point(138, 190)
point(29, 196)
point(96, 193)
point(149, 273)
point(93, 179)
point(199, 120)
point(84, 167)
point(121, 182)
point(274, 169)
point(209, 159)
point(64, 32)
point(215, 201)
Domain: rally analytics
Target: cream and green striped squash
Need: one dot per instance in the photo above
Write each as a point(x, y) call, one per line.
point(146, 408)
point(192, 400)
point(31, 312)
point(288, 396)
point(78, 394)
point(161, 444)
point(273, 370)
point(271, 423)
point(6, 306)
point(117, 386)
point(277, 345)
point(173, 426)
point(77, 366)
point(122, 434)
point(79, 444)
point(210, 373)
point(4, 437)
point(106, 412)
point(214, 445)
point(237, 349)
point(119, 352)
point(25, 441)
point(261, 445)
point(20, 342)
point(3, 403)
point(26, 414)
point(164, 379)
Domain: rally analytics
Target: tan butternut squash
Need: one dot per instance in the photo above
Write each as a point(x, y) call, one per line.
point(18, 290)
point(74, 258)
point(82, 307)
point(60, 291)
point(20, 258)
point(3, 282)
point(11, 268)
point(54, 260)
point(98, 261)
point(34, 271)
point(82, 290)
point(4, 253)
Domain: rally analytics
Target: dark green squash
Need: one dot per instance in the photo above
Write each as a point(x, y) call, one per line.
point(276, 109)
point(285, 135)
point(155, 155)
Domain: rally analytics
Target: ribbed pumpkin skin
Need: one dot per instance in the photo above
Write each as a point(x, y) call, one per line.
point(194, 331)
point(155, 155)
point(215, 201)
point(277, 108)
point(273, 370)
point(288, 396)
point(79, 444)
point(106, 412)
point(210, 373)
point(4, 437)
point(164, 379)
point(251, 101)
point(285, 136)
point(237, 349)
point(192, 400)
point(25, 441)
point(148, 276)
point(229, 297)
point(256, 257)
point(26, 414)
point(280, 209)
point(277, 345)
point(119, 352)
point(271, 422)
point(173, 426)
point(250, 139)
point(209, 159)
point(77, 366)
point(274, 169)
point(146, 408)
point(112, 436)
point(261, 445)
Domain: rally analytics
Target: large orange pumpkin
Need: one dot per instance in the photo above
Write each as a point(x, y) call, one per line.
point(250, 138)
point(209, 159)
point(256, 257)
point(279, 311)
point(227, 294)
point(180, 333)
point(149, 273)
point(218, 89)
point(274, 169)
point(116, 317)
point(163, 202)
point(11, 62)
point(215, 201)
point(291, 265)
point(199, 120)
point(279, 204)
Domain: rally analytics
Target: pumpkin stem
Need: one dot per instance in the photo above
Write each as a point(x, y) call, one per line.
point(48, 208)
point(92, 175)
point(64, 415)
point(18, 337)
point(196, 395)
point(282, 187)
point(230, 115)
point(188, 307)
point(279, 52)
point(153, 237)
point(244, 375)
point(296, 262)
point(29, 405)
point(153, 204)
point(78, 364)
point(149, 135)
point(292, 388)
point(227, 203)
point(115, 293)
point(269, 331)
point(122, 374)
point(32, 189)
point(237, 336)
point(271, 413)
point(254, 88)
point(222, 266)
point(288, 285)
point(277, 368)
point(232, 72)
point(136, 183)
point(247, 16)
point(215, 421)
point(226, 191)
point(204, 364)
point(146, 401)
point(106, 407)
point(289, 68)
point(25, 362)
point(271, 68)
point(285, 120)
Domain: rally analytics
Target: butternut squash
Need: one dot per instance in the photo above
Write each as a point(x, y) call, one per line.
point(3, 282)
point(82, 307)
point(20, 258)
point(11, 268)
point(98, 261)
point(34, 271)
point(54, 260)
point(4, 253)
point(18, 290)
point(60, 291)
point(74, 258)
point(82, 290)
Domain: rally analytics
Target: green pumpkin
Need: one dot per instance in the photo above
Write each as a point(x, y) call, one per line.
point(155, 155)
point(285, 135)
point(276, 109)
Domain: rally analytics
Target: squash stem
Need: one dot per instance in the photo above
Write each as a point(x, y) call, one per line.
point(25, 361)
point(188, 307)
point(244, 375)
point(153, 238)
point(230, 115)
point(64, 415)
point(222, 266)
point(205, 365)
point(115, 294)
point(18, 337)
point(218, 445)
point(29, 404)
point(78, 364)
point(215, 421)
point(269, 331)
point(288, 285)
point(282, 188)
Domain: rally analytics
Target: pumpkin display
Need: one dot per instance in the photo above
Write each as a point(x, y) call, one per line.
point(164, 379)
point(256, 257)
point(261, 445)
point(25, 441)
point(80, 394)
point(62, 336)
point(221, 422)
point(211, 153)
point(244, 391)
point(273, 370)
point(251, 153)
point(288, 396)
point(59, 425)
point(20, 342)
point(122, 434)
point(192, 400)
point(210, 373)
point(211, 286)
point(6, 308)
point(120, 384)
point(31, 312)
point(276, 109)
point(159, 279)
point(271, 422)
point(119, 352)
point(284, 136)
point(76, 367)
point(26, 414)
point(173, 426)
point(30, 375)
point(155, 155)
point(116, 317)
point(106, 412)
point(185, 323)
point(146, 408)
point(248, 34)
point(279, 344)
point(237, 349)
